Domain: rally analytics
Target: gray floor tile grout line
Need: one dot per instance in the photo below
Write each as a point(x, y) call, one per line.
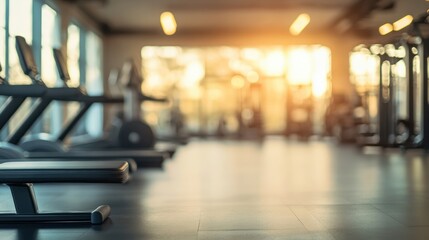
point(390, 216)
point(290, 209)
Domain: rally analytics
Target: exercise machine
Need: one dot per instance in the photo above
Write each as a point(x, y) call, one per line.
point(20, 176)
point(128, 131)
point(52, 149)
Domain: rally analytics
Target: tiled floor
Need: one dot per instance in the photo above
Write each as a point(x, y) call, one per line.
point(277, 189)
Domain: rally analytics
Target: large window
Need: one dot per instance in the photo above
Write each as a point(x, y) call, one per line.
point(50, 40)
point(73, 54)
point(38, 21)
point(3, 50)
point(52, 119)
point(94, 82)
point(3, 36)
point(20, 23)
point(84, 60)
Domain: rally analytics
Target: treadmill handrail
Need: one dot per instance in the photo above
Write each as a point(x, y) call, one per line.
point(22, 90)
point(62, 94)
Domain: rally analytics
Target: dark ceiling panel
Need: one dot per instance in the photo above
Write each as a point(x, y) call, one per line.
point(336, 16)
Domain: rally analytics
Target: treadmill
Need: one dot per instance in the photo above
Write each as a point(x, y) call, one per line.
point(128, 73)
point(143, 158)
point(17, 95)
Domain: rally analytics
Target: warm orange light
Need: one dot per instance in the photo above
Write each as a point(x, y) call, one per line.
point(401, 69)
point(252, 76)
point(402, 23)
point(193, 74)
point(364, 68)
point(321, 68)
point(385, 28)
point(299, 24)
point(358, 61)
point(168, 23)
point(300, 67)
point(319, 85)
point(238, 81)
point(273, 63)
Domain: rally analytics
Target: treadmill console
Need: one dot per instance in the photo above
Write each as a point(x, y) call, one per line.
point(61, 65)
point(26, 59)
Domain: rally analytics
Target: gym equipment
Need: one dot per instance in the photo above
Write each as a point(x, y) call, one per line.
point(367, 83)
point(131, 131)
point(30, 69)
point(339, 119)
point(405, 92)
point(144, 158)
point(383, 90)
point(130, 84)
point(128, 131)
point(21, 93)
point(131, 134)
point(17, 94)
point(20, 176)
point(249, 116)
point(299, 116)
point(387, 93)
point(419, 42)
point(401, 89)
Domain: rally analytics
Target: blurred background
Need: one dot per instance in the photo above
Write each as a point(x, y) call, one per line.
point(234, 69)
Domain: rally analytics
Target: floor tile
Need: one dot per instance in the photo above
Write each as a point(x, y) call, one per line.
point(412, 215)
point(248, 218)
point(271, 189)
point(352, 216)
point(292, 234)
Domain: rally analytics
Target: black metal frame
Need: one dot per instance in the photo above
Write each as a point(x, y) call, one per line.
point(9, 108)
point(383, 105)
point(27, 210)
point(425, 76)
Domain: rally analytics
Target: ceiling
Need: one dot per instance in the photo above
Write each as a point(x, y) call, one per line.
point(361, 17)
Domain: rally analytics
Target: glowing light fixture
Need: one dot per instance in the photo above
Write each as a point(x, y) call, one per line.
point(402, 23)
point(168, 23)
point(299, 24)
point(385, 28)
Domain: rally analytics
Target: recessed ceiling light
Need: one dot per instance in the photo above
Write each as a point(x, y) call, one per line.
point(168, 23)
point(299, 24)
point(385, 28)
point(402, 23)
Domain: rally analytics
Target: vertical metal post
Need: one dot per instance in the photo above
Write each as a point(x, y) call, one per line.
point(425, 93)
point(24, 198)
